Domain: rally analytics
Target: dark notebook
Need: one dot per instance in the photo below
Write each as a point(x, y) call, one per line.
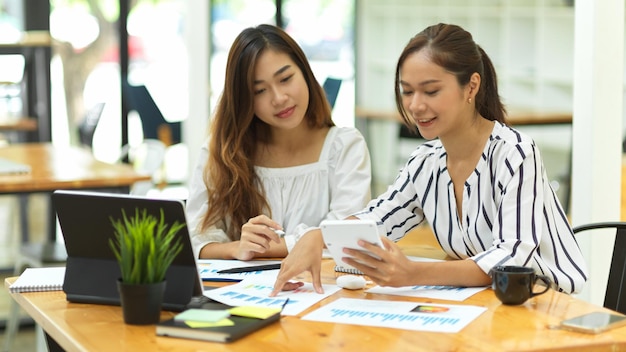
point(92, 271)
point(241, 327)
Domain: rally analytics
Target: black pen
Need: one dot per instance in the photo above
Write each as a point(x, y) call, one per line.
point(247, 269)
point(284, 304)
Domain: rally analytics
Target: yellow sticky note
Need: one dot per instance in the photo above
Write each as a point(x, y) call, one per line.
point(203, 324)
point(254, 312)
point(205, 315)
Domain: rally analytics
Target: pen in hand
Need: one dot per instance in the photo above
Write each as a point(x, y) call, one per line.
point(280, 233)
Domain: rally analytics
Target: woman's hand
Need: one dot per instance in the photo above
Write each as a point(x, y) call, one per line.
point(306, 255)
point(256, 238)
point(392, 269)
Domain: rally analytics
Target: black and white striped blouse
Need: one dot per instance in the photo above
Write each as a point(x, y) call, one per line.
point(511, 215)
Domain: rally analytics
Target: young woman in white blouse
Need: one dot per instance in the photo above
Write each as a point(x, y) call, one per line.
point(274, 159)
point(480, 184)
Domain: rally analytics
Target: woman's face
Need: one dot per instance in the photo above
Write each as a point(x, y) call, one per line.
point(432, 96)
point(281, 95)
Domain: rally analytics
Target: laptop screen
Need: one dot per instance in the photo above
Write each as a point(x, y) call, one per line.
point(92, 270)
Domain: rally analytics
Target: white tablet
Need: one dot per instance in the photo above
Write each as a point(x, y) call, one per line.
point(340, 234)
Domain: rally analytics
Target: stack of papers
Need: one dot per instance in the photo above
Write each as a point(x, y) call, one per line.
point(253, 289)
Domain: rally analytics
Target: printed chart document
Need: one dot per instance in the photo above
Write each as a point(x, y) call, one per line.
point(255, 292)
point(451, 293)
point(397, 314)
point(209, 269)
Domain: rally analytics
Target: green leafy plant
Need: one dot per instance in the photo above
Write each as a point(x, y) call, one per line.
point(144, 246)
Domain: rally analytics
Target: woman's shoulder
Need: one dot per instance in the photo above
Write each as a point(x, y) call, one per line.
point(510, 134)
point(342, 141)
point(507, 140)
point(346, 133)
point(340, 137)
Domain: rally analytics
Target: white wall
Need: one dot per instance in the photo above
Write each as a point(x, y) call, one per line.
point(597, 130)
point(197, 34)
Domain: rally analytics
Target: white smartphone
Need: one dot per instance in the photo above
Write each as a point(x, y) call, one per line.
point(595, 322)
point(340, 234)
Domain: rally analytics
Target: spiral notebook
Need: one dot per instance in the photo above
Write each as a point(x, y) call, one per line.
point(39, 279)
point(343, 269)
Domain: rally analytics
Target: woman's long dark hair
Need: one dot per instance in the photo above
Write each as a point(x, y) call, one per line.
point(234, 190)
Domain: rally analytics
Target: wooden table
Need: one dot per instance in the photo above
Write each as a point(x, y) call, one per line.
point(19, 124)
point(63, 168)
point(18, 129)
point(55, 168)
point(85, 327)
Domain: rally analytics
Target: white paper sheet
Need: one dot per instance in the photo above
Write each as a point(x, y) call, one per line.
point(451, 293)
point(397, 314)
point(255, 292)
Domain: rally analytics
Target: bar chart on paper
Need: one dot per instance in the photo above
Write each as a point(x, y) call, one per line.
point(398, 315)
point(255, 292)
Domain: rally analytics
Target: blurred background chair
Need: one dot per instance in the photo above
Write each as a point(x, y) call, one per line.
point(331, 87)
point(87, 127)
point(154, 125)
point(615, 297)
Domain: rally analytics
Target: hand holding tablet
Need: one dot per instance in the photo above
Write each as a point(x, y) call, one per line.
point(340, 234)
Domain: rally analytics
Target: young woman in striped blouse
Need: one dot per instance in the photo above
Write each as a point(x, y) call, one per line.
point(480, 184)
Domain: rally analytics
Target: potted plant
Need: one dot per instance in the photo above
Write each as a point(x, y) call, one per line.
point(144, 247)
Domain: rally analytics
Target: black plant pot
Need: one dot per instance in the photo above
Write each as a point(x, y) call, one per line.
point(141, 303)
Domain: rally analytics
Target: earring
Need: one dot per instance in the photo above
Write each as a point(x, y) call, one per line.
point(469, 100)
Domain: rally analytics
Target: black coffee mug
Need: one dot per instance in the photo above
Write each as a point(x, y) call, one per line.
point(513, 285)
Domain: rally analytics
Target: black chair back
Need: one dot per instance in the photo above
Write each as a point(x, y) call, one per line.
point(615, 297)
point(331, 87)
point(87, 126)
point(154, 125)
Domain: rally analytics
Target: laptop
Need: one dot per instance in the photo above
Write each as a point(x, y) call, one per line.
point(92, 270)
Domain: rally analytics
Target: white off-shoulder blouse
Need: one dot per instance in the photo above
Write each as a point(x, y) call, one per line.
point(300, 197)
